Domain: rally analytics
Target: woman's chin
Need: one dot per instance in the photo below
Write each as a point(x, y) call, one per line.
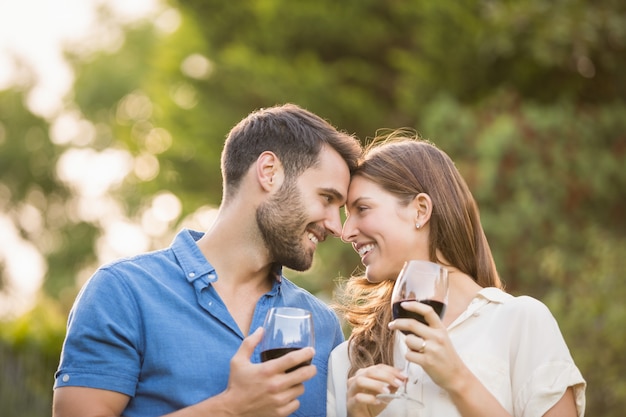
point(373, 276)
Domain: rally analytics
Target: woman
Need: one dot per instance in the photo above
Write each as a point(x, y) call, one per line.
point(492, 354)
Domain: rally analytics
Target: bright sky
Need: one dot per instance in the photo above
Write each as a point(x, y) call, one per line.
point(32, 34)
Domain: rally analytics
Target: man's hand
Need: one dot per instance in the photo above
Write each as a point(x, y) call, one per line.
point(266, 389)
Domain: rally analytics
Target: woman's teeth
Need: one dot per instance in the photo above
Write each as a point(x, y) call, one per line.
point(364, 249)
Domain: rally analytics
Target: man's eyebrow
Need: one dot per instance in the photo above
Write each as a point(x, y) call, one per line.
point(334, 192)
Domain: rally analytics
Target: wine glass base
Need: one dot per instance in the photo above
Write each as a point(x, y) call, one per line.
point(387, 398)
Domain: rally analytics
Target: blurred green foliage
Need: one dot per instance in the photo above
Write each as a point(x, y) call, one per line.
point(528, 97)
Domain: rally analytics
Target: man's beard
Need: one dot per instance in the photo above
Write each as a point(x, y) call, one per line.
point(281, 220)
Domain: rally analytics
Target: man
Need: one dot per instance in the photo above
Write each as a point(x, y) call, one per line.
point(174, 332)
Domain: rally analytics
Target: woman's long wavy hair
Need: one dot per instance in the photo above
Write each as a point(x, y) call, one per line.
point(405, 165)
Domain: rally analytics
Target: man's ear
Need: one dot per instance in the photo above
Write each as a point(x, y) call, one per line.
point(423, 206)
point(269, 171)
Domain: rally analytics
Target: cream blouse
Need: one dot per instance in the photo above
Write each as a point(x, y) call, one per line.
point(513, 345)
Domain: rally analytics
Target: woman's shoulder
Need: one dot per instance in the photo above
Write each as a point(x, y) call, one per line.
point(341, 350)
point(522, 306)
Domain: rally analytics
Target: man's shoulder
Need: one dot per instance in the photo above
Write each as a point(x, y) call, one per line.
point(140, 260)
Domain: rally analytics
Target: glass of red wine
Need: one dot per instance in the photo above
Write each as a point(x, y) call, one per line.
point(426, 282)
point(286, 329)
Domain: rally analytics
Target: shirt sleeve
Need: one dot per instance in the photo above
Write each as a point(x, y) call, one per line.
point(542, 367)
point(102, 345)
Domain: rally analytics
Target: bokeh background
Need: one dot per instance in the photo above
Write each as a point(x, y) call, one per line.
point(110, 143)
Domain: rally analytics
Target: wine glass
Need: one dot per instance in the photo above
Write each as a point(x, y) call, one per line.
point(286, 329)
point(426, 282)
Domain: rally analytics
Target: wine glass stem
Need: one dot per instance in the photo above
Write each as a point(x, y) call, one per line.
point(406, 371)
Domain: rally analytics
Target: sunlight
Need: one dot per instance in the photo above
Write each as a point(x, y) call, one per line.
point(70, 128)
point(165, 209)
point(32, 42)
point(33, 34)
point(24, 266)
point(121, 239)
point(92, 173)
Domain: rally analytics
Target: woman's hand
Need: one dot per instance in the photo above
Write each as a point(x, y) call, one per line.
point(430, 347)
point(366, 384)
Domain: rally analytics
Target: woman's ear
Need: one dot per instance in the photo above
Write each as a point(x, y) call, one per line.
point(269, 171)
point(423, 206)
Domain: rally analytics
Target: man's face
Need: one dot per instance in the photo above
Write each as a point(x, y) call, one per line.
point(304, 210)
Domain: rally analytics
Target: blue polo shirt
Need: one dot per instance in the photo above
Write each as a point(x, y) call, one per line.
point(152, 327)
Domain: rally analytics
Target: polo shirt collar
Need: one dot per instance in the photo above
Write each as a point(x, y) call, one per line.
point(193, 262)
point(493, 294)
point(191, 259)
point(484, 297)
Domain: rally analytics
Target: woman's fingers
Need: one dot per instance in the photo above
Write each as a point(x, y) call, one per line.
point(374, 380)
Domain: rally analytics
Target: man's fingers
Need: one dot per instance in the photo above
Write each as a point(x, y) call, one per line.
point(294, 360)
point(249, 343)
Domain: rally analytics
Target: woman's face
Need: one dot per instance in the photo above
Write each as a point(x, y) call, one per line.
point(381, 230)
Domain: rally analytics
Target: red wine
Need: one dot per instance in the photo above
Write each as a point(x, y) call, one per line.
point(400, 313)
point(266, 355)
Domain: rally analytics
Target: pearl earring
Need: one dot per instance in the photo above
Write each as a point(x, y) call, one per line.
point(418, 225)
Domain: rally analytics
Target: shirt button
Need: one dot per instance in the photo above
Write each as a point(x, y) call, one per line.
point(192, 274)
point(65, 378)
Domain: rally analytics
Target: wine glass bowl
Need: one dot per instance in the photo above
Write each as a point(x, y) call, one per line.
point(423, 281)
point(286, 329)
